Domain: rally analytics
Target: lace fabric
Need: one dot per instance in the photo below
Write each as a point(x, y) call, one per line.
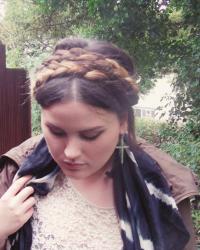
point(65, 220)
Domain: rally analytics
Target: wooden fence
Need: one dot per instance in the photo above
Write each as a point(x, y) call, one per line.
point(15, 115)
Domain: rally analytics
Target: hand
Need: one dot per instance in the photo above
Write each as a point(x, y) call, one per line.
point(16, 207)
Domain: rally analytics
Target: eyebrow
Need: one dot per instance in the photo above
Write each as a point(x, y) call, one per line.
point(81, 131)
point(92, 129)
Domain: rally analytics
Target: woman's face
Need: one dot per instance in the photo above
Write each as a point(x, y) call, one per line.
point(81, 138)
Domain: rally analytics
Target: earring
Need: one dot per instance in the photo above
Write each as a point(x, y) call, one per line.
point(122, 146)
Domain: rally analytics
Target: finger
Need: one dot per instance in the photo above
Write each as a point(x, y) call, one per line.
point(28, 204)
point(24, 194)
point(28, 215)
point(16, 187)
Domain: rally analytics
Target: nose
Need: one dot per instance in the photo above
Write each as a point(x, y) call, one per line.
point(72, 149)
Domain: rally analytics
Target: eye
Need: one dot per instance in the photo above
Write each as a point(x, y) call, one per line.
point(58, 133)
point(91, 135)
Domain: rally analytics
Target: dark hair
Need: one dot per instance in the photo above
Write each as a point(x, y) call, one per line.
point(91, 71)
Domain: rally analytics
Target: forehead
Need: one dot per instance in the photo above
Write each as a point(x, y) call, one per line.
point(77, 114)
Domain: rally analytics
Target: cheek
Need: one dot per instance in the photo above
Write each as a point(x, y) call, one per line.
point(54, 145)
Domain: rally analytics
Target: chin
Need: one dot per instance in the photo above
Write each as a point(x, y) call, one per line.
point(74, 174)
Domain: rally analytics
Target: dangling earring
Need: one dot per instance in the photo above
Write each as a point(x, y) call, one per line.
point(122, 146)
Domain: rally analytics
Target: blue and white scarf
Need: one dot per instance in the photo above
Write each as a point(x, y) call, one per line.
point(148, 215)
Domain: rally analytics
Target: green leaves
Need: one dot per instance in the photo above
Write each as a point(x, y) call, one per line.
point(178, 141)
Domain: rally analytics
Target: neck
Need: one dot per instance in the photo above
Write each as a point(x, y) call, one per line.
point(98, 188)
point(97, 180)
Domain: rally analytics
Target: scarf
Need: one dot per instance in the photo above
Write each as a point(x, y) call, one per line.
point(148, 215)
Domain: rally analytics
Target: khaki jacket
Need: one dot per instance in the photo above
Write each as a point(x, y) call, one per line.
point(182, 181)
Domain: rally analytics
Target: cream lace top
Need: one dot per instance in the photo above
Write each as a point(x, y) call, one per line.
point(65, 220)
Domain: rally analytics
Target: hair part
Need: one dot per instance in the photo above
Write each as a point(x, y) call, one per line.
point(101, 95)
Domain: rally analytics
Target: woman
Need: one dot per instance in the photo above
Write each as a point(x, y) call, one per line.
point(94, 188)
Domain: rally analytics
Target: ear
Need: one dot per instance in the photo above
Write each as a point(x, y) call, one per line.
point(124, 124)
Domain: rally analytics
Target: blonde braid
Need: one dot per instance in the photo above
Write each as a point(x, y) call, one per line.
point(76, 61)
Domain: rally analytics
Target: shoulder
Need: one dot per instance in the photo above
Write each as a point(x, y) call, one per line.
point(11, 160)
point(19, 153)
point(181, 179)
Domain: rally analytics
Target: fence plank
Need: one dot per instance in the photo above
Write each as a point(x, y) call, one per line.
point(15, 115)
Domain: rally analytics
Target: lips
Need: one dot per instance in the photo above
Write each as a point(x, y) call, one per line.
point(73, 165)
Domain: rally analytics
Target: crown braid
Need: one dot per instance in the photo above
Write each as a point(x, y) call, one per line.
point(85, 64)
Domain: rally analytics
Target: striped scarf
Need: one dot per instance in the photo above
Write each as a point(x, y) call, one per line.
point(148, 215)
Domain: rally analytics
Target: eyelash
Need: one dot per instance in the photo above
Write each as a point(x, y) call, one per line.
point(59, 134)
point(91, 138)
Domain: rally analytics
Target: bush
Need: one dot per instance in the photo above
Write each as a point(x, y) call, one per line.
point(179, 142)
point(35, 110)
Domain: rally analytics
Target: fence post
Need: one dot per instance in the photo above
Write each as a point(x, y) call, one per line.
point(15, 114)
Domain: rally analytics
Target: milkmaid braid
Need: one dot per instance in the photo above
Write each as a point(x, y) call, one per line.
point(73, 61)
